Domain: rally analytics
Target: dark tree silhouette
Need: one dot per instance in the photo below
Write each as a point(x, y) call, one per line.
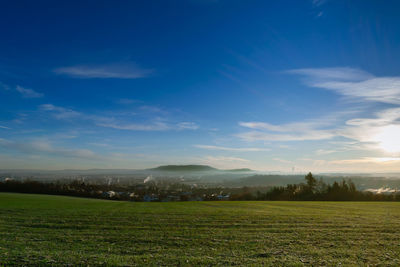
point(311, 181)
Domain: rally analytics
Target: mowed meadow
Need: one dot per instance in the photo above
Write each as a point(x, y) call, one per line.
point(57, 230)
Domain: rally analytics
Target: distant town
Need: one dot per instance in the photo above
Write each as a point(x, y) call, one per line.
point(199, 183)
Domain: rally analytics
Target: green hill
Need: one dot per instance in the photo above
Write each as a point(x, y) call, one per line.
point(186, 168)
point(240, 170)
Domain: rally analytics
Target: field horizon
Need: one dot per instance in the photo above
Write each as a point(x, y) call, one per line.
point(60, 230)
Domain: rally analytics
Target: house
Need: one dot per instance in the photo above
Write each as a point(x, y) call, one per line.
point(134, 197)
point(109, 194)
point(223, 197)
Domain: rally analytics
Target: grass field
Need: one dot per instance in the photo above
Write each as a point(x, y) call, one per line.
point(40, 229)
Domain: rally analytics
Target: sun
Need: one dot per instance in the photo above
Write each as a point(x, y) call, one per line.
point(388, 138)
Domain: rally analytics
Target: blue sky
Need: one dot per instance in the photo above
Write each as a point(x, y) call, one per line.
point(287, 86)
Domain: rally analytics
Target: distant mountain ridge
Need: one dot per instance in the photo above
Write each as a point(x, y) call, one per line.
point(184, 168)
point(240, 170)
point(195, 167)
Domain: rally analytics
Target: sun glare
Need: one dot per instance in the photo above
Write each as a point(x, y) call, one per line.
point(389, 138)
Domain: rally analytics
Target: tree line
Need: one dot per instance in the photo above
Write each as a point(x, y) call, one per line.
point(311, 190)
point(317, 190)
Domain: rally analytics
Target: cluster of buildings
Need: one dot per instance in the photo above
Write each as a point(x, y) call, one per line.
point(162, 197)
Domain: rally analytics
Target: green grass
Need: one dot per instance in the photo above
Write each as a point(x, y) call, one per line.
point(44, 230)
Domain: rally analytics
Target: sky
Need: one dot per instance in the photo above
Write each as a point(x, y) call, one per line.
point(290, 86)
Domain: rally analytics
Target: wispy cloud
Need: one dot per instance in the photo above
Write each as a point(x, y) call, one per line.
point(151, 109)
point(187, 126)
point(156, 126)
point(5, 127)
point(288, 127)
point(382, 130)
point(150, 126)
point(42, 146)
point(262, 136)
point(28, 93)
point(367, 160)
point(375, 131)
point(25, 92)
point(283, 160)
point(298, 131)
point(119, 121)
point(317, 3)
point(379, 131)
point(238, 149)
point(325, 151)
point(337, 73)
point(353, 83)
point(356, 164)
point(112, 70)
point(100, 144)
point(225, 159)
point(60, 112)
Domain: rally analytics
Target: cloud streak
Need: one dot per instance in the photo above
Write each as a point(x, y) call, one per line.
point(156, 126)
point(381, 160)
point(187, 126)
point(233, 149)
point(60, 112)
point(225, 159)
point(112, 70)
point(40, 146)
point(317, 3)
point(377, 131)
point(353, 83)
point(28, 93)
point(122, 122)
point(298, 131)
point(382, 130)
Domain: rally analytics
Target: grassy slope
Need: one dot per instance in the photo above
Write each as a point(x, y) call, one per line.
point(61, 230)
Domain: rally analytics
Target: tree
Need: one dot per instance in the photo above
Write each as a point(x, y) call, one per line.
point(311, 181)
